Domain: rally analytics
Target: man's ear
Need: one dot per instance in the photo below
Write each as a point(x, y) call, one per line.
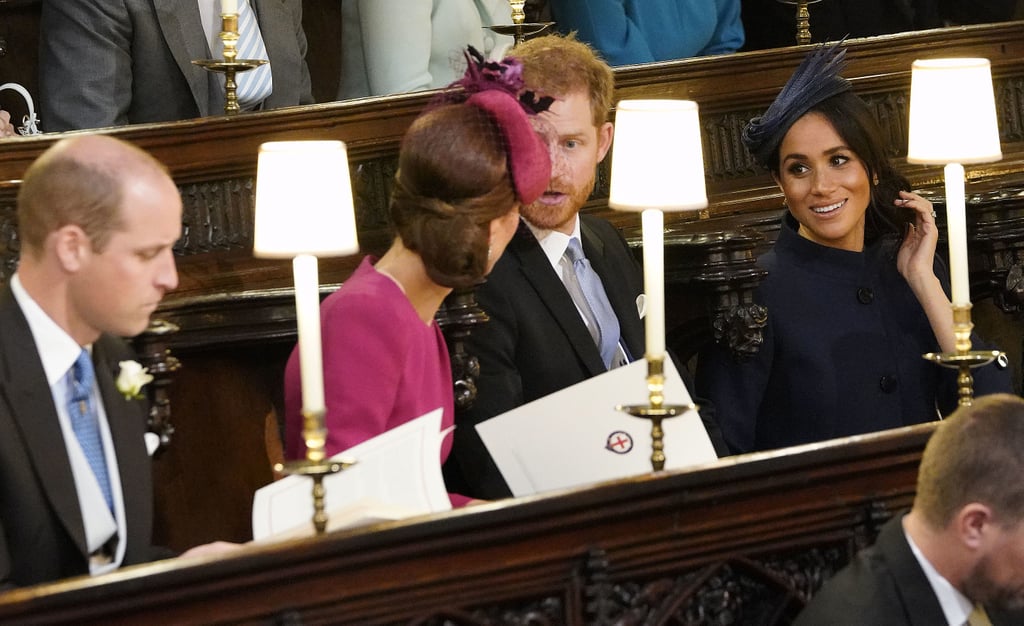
point(972, 522)
point(604, 140)
point(71, 246)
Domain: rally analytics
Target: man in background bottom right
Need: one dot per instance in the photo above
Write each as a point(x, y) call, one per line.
point(957, 557)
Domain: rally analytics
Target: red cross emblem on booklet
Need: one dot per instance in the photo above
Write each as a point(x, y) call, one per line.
point(619, 442)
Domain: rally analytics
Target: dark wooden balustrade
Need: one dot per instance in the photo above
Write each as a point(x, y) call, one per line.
point(743, 541)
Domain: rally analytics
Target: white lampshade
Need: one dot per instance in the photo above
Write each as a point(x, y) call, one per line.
point(952, 112)
point(304, 200)
point(657, 158)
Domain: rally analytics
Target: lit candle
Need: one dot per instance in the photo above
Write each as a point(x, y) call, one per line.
point(307, 310)
point(229, 7)
point(956, 221)
point(653, 221)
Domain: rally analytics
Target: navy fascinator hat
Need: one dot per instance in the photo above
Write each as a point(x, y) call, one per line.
point(815, 80)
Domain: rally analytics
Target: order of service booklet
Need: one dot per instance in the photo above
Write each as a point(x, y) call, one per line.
point(576, 436)
point(396, 474)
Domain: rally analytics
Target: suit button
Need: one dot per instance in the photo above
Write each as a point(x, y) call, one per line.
point(865, 295)
point(888, 384)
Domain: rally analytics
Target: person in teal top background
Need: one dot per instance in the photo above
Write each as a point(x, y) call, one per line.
point(640, 31)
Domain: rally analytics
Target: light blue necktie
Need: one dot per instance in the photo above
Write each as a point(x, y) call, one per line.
point(604, 325)
point(254, 85)
point(85, 420)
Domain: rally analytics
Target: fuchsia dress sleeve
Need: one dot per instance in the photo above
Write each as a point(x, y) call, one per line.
point(382, 367)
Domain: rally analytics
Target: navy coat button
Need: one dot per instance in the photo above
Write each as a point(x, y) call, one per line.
point(865, 295)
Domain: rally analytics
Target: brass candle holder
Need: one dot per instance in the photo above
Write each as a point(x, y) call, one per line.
point(315, 465)
point(656, 410)
point(963, 358)
point(520, 29)
point(803, 19)
point(230, 65)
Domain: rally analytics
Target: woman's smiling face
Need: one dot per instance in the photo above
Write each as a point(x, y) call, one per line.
point(825, 183)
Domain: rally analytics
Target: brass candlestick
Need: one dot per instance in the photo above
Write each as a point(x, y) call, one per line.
point(520, 29)
point(229, 65)
point(963, 358)
point(314, 465)
point(803, 19)
point(656, 410)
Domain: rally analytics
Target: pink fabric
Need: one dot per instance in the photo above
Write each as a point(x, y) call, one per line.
point(528, 157)
point(382, 367)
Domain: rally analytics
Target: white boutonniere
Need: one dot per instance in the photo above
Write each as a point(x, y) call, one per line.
point(131, 379)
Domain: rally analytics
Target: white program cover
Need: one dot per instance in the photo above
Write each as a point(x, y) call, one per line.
point(397, 474)
point(576, 436)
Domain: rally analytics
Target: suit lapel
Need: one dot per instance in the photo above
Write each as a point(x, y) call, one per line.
point(31, 405)
point(920, 605)
point(537, 270)
point(183, 29)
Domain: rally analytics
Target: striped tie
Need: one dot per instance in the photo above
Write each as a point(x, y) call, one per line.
point(254, 85)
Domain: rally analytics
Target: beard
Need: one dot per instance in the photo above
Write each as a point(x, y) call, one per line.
point(552, 216)
point(980, 587)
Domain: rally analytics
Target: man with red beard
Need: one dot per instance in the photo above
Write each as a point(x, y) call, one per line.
point(541, 339)
point(958, 556)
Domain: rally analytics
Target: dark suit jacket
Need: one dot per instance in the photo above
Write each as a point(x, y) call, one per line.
point(883, 586)
point(115, 62)
point(535, 342)
point(42, 537)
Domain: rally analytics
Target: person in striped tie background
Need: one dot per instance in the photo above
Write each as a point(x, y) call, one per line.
point(115, 62)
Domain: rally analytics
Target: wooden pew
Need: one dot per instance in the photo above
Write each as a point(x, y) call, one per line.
point(744, 540)
point(236, 314)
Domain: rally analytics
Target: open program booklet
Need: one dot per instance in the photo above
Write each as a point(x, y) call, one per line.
point(397, 474)
point(576, 436)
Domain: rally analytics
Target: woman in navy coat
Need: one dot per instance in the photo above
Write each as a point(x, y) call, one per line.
point(855, 293)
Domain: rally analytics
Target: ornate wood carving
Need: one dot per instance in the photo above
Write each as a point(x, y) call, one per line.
point(746, 540)
point(997, 219)
point(10, 245)
point(457, 317)
point(155, 356)
point(722, 268)
point(217, 215)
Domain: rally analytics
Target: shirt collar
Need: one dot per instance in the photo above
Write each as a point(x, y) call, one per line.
point(955, 605)
point(554, 242)
point(57, 350)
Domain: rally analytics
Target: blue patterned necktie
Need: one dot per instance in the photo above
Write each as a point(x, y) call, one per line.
point(254, 85)
point(584, 281)
point(85, 420)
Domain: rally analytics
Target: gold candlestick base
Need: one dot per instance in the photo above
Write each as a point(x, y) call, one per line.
point(657, 410)
point(315, 465)
point(229, 65)
point(317, 470)
point(522, 31)
point(963, 358)
point(230, 69)
point(803, 20)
